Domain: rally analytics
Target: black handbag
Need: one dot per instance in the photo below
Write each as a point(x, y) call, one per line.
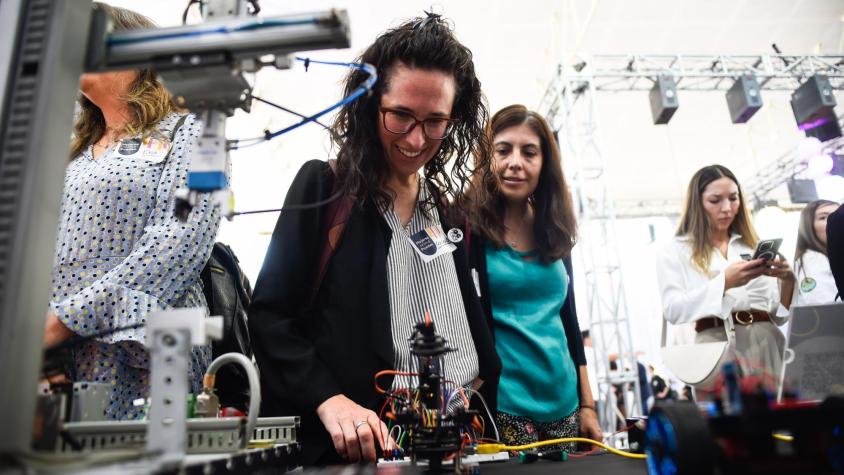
point(228, 293)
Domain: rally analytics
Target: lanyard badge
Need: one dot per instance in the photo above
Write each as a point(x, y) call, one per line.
point(431, 243)
point(149, 148)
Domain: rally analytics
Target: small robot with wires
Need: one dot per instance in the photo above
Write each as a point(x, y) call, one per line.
point(435, 431)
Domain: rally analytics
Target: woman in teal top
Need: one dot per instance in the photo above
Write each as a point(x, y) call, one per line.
point(538, 378)
point(523, 229)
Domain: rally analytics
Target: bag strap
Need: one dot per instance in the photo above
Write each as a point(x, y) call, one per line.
point(336, 216)
point(729, 328)
point(176, 128)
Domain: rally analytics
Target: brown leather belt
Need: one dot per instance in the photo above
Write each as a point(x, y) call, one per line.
point(742, 317)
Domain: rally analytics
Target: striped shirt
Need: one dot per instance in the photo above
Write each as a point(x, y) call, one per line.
point(417, 287)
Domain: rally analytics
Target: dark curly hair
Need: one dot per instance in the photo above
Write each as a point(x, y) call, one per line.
point(426, 43)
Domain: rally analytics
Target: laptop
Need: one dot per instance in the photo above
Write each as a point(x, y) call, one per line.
point(813, 361)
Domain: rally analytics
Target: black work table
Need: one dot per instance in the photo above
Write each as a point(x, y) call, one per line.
point(598, 464)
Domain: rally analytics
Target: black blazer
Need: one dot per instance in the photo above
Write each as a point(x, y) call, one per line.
point(308, 351)
point(835, 246)
point(568, 314)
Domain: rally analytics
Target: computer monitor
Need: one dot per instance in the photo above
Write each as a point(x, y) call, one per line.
point(813, 362)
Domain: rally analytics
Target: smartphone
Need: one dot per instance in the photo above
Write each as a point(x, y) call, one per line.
point(767, 249)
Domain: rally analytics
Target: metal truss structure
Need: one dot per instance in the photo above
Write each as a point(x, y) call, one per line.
point(609, 321)
point(569, 108)
point(774, 72)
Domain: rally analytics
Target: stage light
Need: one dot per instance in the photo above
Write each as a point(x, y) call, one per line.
point(813, 104)
point(824, 128)
point(802, 190)
point(837, 165)
point(820, 164)
point(663, 98)
point(744, 98)
point(830, 187)
point(808, 148)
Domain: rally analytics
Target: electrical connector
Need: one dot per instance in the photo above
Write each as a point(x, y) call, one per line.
point(530, 456)
point(491, 448)
point(207, 403)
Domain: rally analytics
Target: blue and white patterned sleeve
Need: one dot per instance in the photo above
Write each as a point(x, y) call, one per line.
point(163, 265)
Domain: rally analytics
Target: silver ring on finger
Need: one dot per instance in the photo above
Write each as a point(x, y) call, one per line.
point(358, 424)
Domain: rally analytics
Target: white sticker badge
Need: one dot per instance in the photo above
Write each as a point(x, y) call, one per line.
point(149, 148)
point(431, 243)
point(455, 235)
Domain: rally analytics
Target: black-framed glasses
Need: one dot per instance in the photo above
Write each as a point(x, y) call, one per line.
point(401, 122)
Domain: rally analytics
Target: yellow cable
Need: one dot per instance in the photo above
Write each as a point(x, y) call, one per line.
point(495, 448)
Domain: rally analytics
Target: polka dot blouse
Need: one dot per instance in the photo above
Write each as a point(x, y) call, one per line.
point(121, 254)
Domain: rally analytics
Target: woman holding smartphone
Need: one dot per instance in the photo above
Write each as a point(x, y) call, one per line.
point(708, 289)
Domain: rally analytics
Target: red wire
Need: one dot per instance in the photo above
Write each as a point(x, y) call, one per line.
point(394, 373)
point(381, 426)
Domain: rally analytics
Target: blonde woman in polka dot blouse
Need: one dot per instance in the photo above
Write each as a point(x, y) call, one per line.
point(120, 252)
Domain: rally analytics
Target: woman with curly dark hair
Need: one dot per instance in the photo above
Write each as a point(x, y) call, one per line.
point(322, 330)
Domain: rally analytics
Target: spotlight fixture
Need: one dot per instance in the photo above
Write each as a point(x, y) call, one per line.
point(813, 104)
point(802, 190)
point(826, 127)
point(663, 97)
point(837, 165)
point(744, 98)
point(820, 164)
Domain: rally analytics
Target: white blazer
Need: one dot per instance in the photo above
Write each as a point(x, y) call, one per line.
point(689, 294)
point(815, 283)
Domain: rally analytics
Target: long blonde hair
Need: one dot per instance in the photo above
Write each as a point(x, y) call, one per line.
point(148, 100)
point(695, 225)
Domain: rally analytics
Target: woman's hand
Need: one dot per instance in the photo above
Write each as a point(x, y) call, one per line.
point(55, 331)
point(779, 268)
point(353, 428)
point(589, 426)
point(740, 273)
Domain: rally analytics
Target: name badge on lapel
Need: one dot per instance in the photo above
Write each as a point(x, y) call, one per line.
point(431, 243)
point(152, 149)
